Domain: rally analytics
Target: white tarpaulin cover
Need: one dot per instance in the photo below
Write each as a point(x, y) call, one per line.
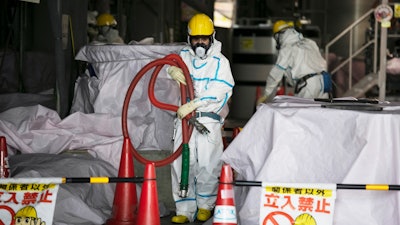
point(297, 141)
point(115, 66)
point(36, 129)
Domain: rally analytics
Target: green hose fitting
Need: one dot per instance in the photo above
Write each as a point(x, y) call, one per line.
point(185, 171)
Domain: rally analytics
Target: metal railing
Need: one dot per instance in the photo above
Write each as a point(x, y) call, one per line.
point(352, 54)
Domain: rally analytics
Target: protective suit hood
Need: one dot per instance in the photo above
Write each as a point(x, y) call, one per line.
point(289, 37)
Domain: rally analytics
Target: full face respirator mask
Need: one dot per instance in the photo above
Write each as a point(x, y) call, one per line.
point(200, 49)
point(277, 37)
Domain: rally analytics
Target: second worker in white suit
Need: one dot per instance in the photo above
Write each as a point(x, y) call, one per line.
point(213, 83)
point(301, 62)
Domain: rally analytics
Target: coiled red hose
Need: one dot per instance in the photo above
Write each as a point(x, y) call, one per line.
point(186, 91)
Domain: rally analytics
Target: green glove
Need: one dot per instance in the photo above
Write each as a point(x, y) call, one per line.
point(177, 74)
point(187, 108)
point(262, 99)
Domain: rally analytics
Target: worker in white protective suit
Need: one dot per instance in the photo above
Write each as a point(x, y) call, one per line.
point(108, 33)
point(213, 83)
point(300, 61)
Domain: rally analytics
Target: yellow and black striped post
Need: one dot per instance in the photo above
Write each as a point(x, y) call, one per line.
point(102, 180)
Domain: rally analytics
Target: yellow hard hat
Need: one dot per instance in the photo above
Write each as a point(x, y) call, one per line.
point(200, 24)
point(27, 212)
point(280, 25)
point(106, 19)
point(305, 219)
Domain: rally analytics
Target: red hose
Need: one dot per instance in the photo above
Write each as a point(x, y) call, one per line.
point(173, 60)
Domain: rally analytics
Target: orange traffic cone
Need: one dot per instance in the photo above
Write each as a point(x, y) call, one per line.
point(125, 198)
point(4, 168)
point(149, 213)
point(225, 210)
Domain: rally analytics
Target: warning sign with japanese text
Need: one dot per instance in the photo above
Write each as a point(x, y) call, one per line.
point(308, 204)
point(28, 200)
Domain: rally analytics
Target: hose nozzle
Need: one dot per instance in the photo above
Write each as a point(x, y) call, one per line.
point(183, 193)
point(199, 126)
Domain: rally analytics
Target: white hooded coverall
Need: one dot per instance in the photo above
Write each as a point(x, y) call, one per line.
point(213, 83)
point(298, 57)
